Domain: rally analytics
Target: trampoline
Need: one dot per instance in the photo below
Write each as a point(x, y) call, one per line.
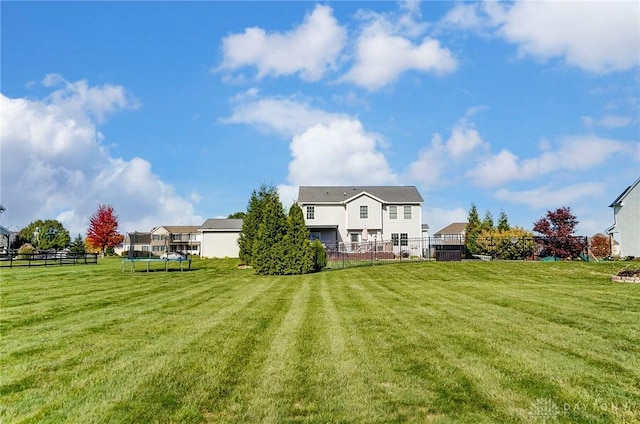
point(133, 261)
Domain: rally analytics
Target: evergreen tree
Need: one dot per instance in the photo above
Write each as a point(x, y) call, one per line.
point(237, 215)
point(503, 222)
point(299, 254)
point(472, 229)
point(252, 220)
point(77, 245)
point(268, 256)
point(487, 222)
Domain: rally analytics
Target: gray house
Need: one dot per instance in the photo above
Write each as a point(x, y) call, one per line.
point(626, 221)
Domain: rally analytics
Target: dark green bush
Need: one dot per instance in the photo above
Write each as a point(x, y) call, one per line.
point(319, 255)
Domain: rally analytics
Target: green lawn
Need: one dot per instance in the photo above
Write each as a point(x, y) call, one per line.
point(409, 342)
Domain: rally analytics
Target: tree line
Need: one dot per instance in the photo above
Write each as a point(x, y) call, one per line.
point(50, 234)
point(553, 235)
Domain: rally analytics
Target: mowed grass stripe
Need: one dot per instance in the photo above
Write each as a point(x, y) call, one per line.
point(410, 342)
point(111, 315)
point(129, 353)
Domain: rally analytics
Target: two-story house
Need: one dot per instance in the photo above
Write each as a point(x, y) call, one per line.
point(626, 221)
point(348, 214)
point(176, 238)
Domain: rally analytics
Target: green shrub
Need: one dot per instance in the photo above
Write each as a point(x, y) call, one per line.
point(319, 255)
point(515, 243)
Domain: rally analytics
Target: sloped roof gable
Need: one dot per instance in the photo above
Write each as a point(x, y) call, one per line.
point(625, 193)
point(453, 228)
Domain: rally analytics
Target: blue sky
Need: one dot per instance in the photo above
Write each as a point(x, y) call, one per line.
point(173, 112)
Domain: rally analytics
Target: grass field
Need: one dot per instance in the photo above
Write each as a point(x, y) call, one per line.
point(413, 342)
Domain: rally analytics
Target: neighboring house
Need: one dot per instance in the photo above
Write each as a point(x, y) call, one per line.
point(176, 238)
point(5, 235)
point(454, 232)
point(626, 221)
point(220, 238)
point(137, 242)
point(348, 214)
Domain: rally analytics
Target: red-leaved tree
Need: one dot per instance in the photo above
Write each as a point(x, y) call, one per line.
point(557, 229)
point(103, 228)
point(600, 246)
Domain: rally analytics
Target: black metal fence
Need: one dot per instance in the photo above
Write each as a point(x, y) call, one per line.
point(14, 259)
point(345, 255)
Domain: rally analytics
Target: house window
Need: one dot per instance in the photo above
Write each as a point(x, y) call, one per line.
point(314, 235)
point(393, 212)
point(364, 212)
point(395, 239)
point(404, 239)
point(156, 248)
point(145, 248)
point(407, 212)
point(156, 237)
point(311, 212)
point(177, 237)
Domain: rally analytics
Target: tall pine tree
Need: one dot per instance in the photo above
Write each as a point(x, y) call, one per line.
point(252, 220)
point(487, 222)
point(472, 229)
point(503, 222)
point(268, 256)
point(299, 254)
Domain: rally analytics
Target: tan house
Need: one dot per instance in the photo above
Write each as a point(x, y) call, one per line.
point(453, 233)
point(176, 238)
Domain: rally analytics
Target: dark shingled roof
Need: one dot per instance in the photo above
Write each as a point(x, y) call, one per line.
point(620, 198)
point(222, 224)
point(339, 194)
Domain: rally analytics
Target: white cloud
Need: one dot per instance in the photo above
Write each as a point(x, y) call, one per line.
point(326, 148)
point(285, 116)
point(465, 16)
point(310, 49)
point(340, 152)
point(576, 153)
point(54, 165)
point(595, 36)
point(608, 121)
point(384, 51)
point(438, 218)
point(458, 148)
point(546, 197)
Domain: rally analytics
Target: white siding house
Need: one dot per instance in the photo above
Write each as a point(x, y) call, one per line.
point(220, 238)
point(348, 214)
point(626, 220)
